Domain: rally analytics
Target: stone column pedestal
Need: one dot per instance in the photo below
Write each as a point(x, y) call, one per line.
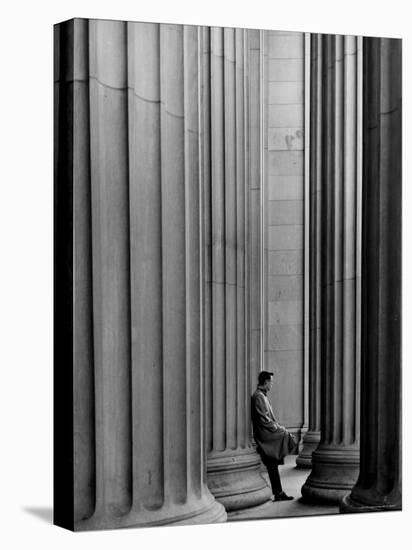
point(378, 487)
point(310, 442)
point(234, 479)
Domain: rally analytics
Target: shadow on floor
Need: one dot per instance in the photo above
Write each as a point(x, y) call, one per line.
point(42, 513)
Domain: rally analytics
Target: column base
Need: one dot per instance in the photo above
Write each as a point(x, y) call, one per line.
point(335, 471)
point(193, 512)
point(310, 443)
point(234, 479)
point(362, 501)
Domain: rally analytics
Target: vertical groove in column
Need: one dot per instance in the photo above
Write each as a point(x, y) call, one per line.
point(240, 246)
point(315, 195)
point(306, 234)
point(146, 264)
point(208, 281)
point(338, 236)
point(312, 436)
point(254, 227)
point(327, 235)
point(193, 297)
point(174, 261)
point(218, 239)
point(370, 353)
point(317, 225)
point(246, 332)
point(358, 225)
point(350, 241)
point(111, 289)
point(264, 130)
point(202, 256)
point(370, 296)
point(383, 327)
point(207, 229)
point(230, 235)
point(262, 214)
point(83, 418)
point(359, 192)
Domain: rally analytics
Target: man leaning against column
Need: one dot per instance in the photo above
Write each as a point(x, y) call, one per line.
point(273, 440)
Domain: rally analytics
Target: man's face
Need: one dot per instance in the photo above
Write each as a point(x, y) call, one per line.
point(268, 384)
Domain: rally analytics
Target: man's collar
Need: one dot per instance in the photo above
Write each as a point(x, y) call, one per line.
point(262, 389)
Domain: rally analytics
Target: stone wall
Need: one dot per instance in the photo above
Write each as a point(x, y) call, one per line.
point(284, 219)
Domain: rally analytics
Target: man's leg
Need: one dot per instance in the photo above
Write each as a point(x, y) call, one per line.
point(273, 471)
point(274, 477)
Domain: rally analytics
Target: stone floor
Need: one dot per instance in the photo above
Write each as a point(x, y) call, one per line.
point(292, 480)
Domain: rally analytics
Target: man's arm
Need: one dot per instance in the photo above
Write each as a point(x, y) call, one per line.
point(262, 414)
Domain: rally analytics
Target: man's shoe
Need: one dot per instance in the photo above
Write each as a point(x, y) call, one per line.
point(282, 496)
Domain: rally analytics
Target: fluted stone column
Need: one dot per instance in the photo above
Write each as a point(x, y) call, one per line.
point(233, 465)
point(139, 454)
point(254, 168)
point(379, 484)
point(335, 462)
point(311, 438)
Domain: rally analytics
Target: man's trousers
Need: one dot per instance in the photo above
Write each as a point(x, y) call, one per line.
point(273, 471)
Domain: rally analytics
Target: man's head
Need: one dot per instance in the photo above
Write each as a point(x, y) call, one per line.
point(265, 379)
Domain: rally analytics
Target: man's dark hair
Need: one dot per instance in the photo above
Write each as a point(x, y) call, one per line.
point(263, 376)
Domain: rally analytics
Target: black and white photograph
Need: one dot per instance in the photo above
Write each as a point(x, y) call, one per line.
point(206, 236)
point(227, 274)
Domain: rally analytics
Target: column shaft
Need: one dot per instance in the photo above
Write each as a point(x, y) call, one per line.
point(173, 260)
point(254, 242)
point(242, 421)
point(233, 465)
point(218, 239)
point(312, 437)
point(139, 445)
point(111, 265)
point(379, 484)
point(335, 462)
point(146, 248)
point(84, 429)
